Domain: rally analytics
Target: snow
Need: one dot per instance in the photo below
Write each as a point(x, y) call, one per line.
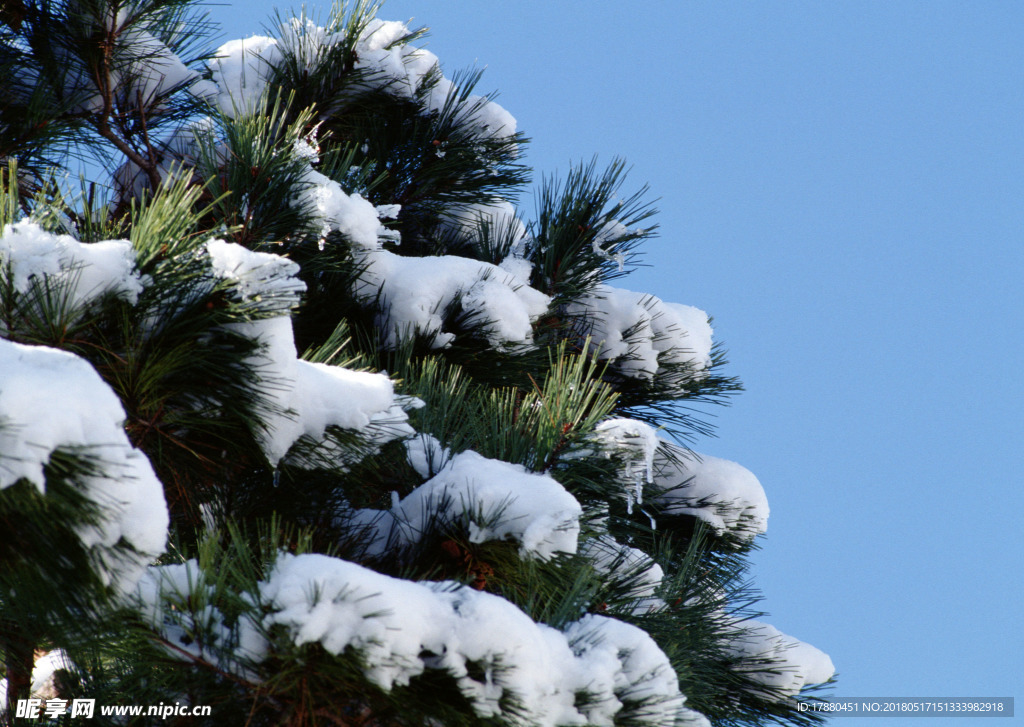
point(349, 214)
point(497, 499)
point(620, 661)
point(426, 455)
point(305, 398)
point(257, 275)
point(793, 663)
point(176, 601)
point(465, 222)
point(240, 70)
point(401, 628)
point(402, 70)
point(51, 399)
point(416, 290)
point(150, 70)
point(43, 672)
point(82, 271)
point(637, 443)
point(642, 334)
point(142, 69)
point(724, 494)
point(627, 565)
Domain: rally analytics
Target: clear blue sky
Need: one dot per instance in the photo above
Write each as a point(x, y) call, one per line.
point(842, 188)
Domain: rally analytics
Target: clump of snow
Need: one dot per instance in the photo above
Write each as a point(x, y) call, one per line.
point(621, 662)
point(642, 334)
point(51, 399)
point(416, 291)
point(519, 268)
point(305, 398)
point(241, 69)
point(501, 500)
point(81, 271)
point(496, 501)
point(388, 211)
point(402, 71)
point(722, 493)
point(145, 68)
point(400, 629)
point(177, 601)
point(260, 276)
point(627, 565)
point(349, 214)
point(781, 663)
point(426, 455)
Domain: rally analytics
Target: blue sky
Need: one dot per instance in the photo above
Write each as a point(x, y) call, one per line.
point(841, 188)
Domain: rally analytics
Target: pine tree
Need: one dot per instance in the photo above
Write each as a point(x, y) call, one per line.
point(300, 422)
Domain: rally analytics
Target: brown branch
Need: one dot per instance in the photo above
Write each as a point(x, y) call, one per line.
point(153, 156)
point(103, 128)
point(200, 661)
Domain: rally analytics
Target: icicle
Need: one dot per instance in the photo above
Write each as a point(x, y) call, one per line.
point(654, 523)
point(395, 500)
point(277, 477)
point(629, 502)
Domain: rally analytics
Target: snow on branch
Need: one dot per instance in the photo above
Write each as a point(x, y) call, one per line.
point(596, 671)
point(178, 601)
point(401, 629)
point(31, 257)
point(53, 400)
point(636, 443)
point(241, 71)
point(500, 500)
point(629, 567)
point(493, 500)
point(138, 71)
point(306, 397)
point(44, 677)
point(641, 334)
point(416, 293)
point(336, 211)
point(724, 494)
point(783, 664)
